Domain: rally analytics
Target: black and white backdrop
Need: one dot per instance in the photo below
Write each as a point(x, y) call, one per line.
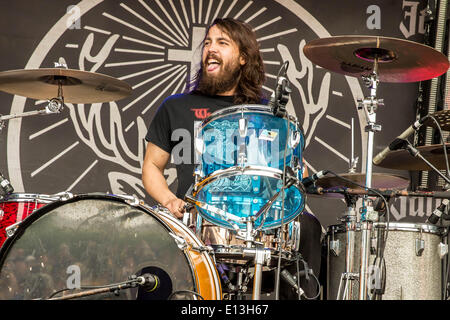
point(153, 46)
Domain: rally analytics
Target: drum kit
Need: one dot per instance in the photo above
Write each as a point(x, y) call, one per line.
point(243, 207)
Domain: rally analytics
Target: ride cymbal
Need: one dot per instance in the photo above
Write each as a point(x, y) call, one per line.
point(77, 86)
point(398, 60)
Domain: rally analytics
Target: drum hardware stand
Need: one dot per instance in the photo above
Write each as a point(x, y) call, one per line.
point(368, 215)
point(55, 105)
point(349, 276)
point(64, 195)
point(133, 282)
point(261, 255)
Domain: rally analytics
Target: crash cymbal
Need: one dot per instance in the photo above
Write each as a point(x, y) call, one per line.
point(379, 181)
point(399, 60)
point(77, 86)
point(403, 160)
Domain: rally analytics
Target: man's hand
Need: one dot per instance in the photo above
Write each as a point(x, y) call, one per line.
point(176, 206)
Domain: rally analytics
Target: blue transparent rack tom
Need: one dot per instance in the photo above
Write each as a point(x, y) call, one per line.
point(241, 152)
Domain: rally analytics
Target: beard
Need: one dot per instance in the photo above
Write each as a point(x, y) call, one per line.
point(223, 81)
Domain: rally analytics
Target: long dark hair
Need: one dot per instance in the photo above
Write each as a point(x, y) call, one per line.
point(252, 74)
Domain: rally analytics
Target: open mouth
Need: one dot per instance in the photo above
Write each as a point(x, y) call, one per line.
point(212, 64)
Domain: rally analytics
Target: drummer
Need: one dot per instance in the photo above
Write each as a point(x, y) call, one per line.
point(231, 73)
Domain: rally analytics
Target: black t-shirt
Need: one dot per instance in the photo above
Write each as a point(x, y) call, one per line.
point(172, 129)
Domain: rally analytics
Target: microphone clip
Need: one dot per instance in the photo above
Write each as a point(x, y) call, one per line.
point(282, 94)
point(280, 97)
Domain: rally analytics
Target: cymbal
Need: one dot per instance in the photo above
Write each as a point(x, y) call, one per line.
point(399, 60)
point(379, 181)
point(403, 160)
point(442, 117)
point(77, 86)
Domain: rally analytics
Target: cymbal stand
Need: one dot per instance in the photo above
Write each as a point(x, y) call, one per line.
point(349, 276)
point(55, 105)
point(368, 215)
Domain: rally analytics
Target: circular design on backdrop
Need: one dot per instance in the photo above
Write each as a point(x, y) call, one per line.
point(153, 46)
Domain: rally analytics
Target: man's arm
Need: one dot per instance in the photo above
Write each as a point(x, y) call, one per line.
point(155, 161)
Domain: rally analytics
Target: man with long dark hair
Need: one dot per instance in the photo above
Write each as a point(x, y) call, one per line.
point(231, 73)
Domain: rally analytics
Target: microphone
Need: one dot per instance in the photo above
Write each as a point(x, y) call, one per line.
point(311, 179)
point(438, 212)
point(148, 281)
point(395, 144)
point(287, 276)
point(314, 190)
point(5, 186)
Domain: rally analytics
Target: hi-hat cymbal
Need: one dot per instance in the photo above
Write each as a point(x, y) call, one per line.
point(379, 181)
point(403, 160)
point(77, 86)
point(398, 60)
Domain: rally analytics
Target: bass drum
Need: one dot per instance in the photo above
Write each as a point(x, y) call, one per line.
point(96, 240)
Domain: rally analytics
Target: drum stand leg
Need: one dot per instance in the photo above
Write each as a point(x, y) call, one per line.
point(370, 106)
point(348, 276)
point(261, 257)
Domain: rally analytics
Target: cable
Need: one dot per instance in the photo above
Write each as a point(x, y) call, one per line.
point(298, 280)
point(277, 279)
point(185, 291)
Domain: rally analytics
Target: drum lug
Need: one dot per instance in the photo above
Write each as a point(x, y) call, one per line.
point(294, 235)
point(295, 164)
point(294, 139)
point(242, 157)
point(181, 242)
point(64, 196)
point(420, 246)
point(243, 126)
point(443, 250)
point(335, 247)
point(10, 230)
point(131, 200)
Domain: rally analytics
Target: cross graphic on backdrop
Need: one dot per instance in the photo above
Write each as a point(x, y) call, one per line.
point(192, 55)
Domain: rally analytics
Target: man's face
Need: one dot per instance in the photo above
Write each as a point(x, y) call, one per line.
point(221, 62)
